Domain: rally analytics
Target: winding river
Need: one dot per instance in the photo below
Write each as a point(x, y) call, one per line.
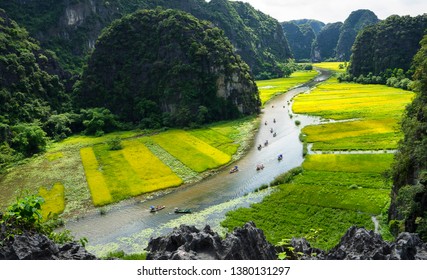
point(128, 225)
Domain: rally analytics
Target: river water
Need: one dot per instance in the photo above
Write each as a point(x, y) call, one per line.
point(129, 225)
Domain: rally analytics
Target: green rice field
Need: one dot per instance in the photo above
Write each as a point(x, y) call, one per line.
point(270, 88)
point(373, 113)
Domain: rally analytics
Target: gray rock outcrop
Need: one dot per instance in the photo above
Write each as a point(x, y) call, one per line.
point(35, 246)
point(189, 243)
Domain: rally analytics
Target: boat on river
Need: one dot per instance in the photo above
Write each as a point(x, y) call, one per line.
point(156, 208)
point(182, 211)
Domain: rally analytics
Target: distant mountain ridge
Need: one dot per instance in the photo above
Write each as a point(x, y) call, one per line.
point(71, 28)
point(313, 40)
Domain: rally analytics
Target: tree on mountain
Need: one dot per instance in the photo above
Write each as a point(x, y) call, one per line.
point(409, 172)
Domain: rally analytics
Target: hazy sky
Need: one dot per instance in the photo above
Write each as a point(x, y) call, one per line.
point(336, 10)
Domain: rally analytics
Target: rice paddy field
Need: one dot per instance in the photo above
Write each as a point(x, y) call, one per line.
point(335, 191)
point(324, 199)
point(82, 172)
point(334, 66)
point(270, 88)
point(371, 114)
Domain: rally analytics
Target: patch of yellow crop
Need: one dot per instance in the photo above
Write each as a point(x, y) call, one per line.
point(369, 163)
point(54, 200)
point(152, 172)
point(334, 66)
point(349, 100)
point(95, 179)
point(270, 88)
point(190, 150)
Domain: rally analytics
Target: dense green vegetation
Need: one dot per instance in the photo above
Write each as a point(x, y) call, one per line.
point(70, 28)
point(382, 53)
point(167, 69)
point(300, 39)
point(323, 48)
point(356, 21)
point(314, 24)
point(408, 211)
point(32, 92)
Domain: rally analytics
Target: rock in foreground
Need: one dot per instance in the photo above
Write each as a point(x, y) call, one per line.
point(30, 246)
point(249, 243)
point(189, 243)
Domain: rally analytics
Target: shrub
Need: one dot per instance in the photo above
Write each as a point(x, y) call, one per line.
point(286, 177)
point(115, 144)
point(28, 139)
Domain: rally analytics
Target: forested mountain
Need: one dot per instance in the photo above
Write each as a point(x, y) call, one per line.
point(31, 90)
point(408, 210)
point(300, 39)
point(390, 44)
point(167, 68)
point(314, 24)
point(70, 28)
point(324, 46)
point(352, 25)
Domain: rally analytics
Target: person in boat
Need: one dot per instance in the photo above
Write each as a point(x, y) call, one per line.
point(266, 143)
point(265, 122)
point(260, 166)
point(274, 134)
point(234, 169)
point(280, 157)
point(271, 130)
point(259, 147)
point(274, 120)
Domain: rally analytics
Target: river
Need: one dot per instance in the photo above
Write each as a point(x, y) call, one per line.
point(128, 225)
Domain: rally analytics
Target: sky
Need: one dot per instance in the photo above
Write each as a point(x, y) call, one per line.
point(336, 10)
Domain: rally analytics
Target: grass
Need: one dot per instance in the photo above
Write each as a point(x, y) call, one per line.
point(54, 200)
point(190, 150)
point(270, 88)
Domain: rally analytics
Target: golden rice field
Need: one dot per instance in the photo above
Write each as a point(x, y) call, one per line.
point(373, 111)
point(190, 150)
point(334, 66)
point(270, 88)
point(54, 200)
